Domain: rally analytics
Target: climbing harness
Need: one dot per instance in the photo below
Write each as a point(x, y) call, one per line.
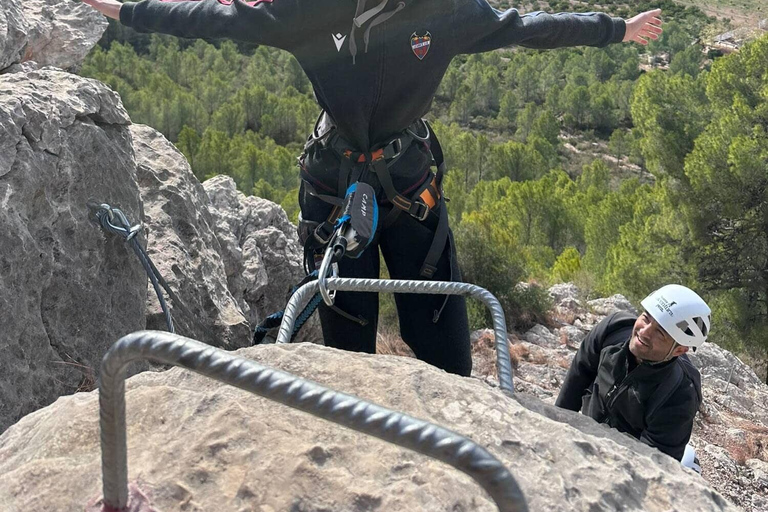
point(353, 232)
point(115, 221)
point(356, 217)
point(419, 201)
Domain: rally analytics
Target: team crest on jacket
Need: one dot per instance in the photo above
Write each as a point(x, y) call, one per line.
point(420, 44)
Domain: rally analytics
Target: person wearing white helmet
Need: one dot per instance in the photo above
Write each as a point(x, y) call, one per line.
point(633, 373)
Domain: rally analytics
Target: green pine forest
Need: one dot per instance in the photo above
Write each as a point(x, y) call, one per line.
point(619, 169)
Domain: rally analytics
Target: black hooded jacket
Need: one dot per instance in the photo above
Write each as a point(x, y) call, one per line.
point(601, 385)
point(374, 68)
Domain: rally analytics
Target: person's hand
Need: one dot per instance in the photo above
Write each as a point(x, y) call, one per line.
point(641, 28)
point(110, 8)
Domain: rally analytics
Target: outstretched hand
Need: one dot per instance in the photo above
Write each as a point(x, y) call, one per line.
point(110, 8)
point(644, 26)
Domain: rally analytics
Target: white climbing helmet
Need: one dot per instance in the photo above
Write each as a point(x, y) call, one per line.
point(690, 460)
point(681, 313)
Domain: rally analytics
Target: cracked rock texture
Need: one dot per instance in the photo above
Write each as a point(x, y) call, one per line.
point(66, 289)
point(196, 444)
point(48, 32)
point(261, 252)
point(184, 247)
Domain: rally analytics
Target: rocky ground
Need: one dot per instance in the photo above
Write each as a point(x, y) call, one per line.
point(731, 431)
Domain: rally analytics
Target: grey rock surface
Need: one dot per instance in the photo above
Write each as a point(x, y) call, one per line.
point(260, 250)
point(184, 247)
point(540, 335)
point(730, 428)
point(611, 305)
point(564, 291)
point(13, 32)
point(573, 336)
point(195, 444)
point(49, 32)
point(67, 289)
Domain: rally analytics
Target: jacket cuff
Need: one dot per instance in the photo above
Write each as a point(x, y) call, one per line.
point(126, 13)
point(619, 29)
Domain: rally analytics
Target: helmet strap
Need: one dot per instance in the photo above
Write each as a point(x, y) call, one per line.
point(669, 354)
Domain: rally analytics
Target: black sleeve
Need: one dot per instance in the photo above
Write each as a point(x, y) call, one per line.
point(583, 370)
point(495, 29)
point(670, 428)
point(275, 23)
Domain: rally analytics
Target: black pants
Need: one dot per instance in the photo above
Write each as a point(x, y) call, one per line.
point(443, 343)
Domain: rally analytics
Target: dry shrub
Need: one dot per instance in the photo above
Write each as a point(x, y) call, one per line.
point(564, 338)
point(88, 382)
point(565, 317)
point(518, 353)
point(537, 357)
point(484, 354)
point(391, 344)
point(754, 446)
point(563, 362)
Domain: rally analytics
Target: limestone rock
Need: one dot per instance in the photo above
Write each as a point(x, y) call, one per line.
point(260, 250)
point(540, 335)
point(573, 336)
point(49, 32)
point(184, 247)
point(564, 291)
point(196, 444)
point(67, 289)
point(13, 32)
point(611, 305)
point(731, 425)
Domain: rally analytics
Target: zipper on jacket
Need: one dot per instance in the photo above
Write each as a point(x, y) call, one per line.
point(617, 389)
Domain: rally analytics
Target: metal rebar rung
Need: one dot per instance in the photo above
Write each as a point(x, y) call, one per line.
point(503, 361)
point(349, 411)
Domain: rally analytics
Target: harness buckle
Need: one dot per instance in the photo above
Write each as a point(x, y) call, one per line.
point(323, 233)
point(398, 146)
point(420, 138)
point(421, 216)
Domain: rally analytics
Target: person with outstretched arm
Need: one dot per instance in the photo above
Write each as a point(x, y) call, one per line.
point(375, 67)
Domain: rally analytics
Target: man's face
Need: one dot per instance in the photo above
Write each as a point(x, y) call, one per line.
point(650, 342)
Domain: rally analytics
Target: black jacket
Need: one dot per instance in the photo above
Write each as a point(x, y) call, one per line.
point(376, 77)
point(600, 383)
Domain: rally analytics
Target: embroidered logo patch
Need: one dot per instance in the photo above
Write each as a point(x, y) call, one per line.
point(420, 44)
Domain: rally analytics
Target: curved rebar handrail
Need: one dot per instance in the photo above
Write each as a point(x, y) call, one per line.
point(349, 411)
point(503, 361)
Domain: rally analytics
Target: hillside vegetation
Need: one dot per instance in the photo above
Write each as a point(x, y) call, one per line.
point(573, 164)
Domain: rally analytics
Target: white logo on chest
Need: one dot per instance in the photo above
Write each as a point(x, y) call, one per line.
point(338, 40)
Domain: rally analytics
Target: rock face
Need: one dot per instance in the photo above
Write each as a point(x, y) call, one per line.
point(66, 289)
point(184, 247)
point(49, 32)
point(195, 444)
point(260, 250)
point(731, 431)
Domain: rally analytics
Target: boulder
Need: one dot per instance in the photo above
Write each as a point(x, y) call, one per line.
point(573, 336)
point(260, 251)
point(183, 246)
point(49, 32)
point(540, 335)
point(564, 291)
point(610, 305)
point(196, 444)
point(67, 289)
